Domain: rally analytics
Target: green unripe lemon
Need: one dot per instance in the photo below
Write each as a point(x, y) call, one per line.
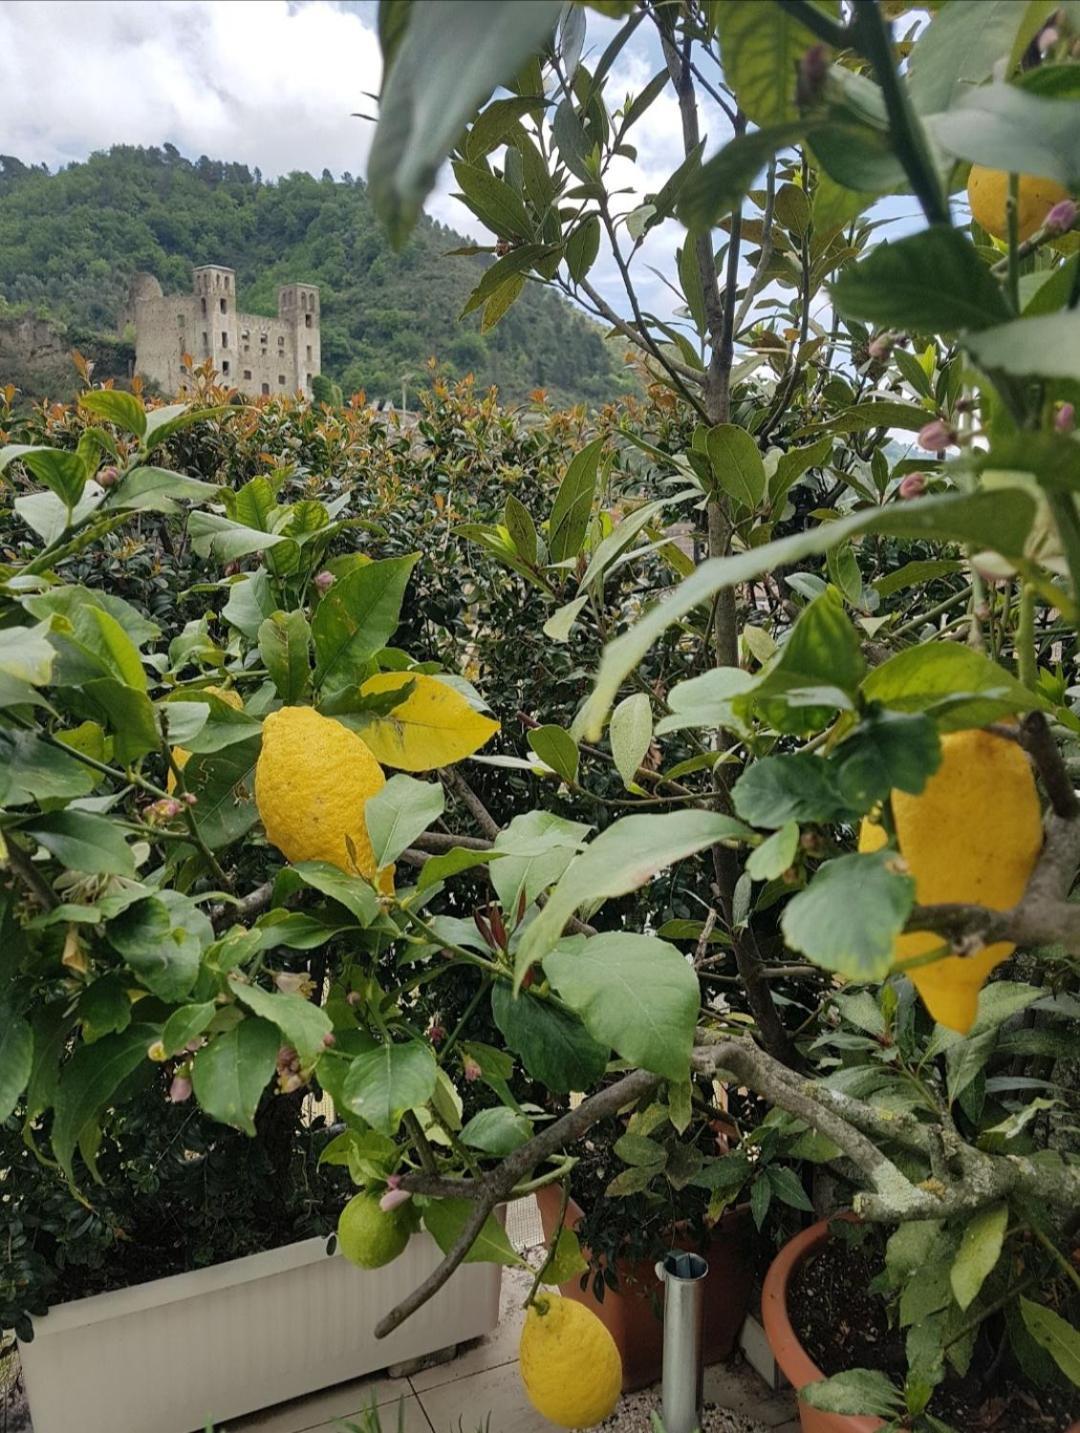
point(369, 1237)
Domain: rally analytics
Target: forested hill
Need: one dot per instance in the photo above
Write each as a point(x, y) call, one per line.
point(70, 241)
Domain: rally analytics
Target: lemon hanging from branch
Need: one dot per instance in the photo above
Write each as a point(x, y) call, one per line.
point(312, 781)
point(569, 1363)
point(988, 193)
point(972, 835)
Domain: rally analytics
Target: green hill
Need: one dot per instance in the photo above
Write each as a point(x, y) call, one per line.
point(70, 241)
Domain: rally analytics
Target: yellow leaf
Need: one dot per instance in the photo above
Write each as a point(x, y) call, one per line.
point(432, 727)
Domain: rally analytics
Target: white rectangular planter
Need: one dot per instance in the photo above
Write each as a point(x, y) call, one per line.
point(169, 1354)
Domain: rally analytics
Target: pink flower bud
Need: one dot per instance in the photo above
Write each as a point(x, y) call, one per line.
point(293, 983)
point(324, 581)
point(196, 1044)
point(880, 348)
point(1061, 217)
point(436, 1033)
point(471, 1069)
point(936, 435)
point(108, 477)
point(353, 998)
point(812, 74)
point(912, 485)
point(393, 1181)
point(393, 1198)
point(1049, 36)
point(190, 799)
point(329, 1040)
point(180, 1089)
point(1065, 418)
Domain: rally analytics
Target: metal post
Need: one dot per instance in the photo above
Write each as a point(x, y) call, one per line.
point(683, 1277)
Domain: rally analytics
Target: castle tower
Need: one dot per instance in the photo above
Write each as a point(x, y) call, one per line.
point(298, 307)
point(215, 319)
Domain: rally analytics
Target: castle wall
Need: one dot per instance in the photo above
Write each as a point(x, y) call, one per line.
point(253, 353)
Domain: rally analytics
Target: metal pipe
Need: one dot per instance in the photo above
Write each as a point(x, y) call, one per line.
point(683, 1277)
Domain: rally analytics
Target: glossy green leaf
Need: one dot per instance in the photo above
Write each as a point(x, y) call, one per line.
point(956, 685)
point(356, 619)
point(303, 1024)
point(88, 1083)
point(980, 1249)
point(16, 1060)
point(1047, 347)
point(631, 734)
point(776, 853)
point(875, 900)
point(961, 47)
point(799, 787)
point(855, 1391)
point(230, 1074)
point(285, 647)
point(382, 1084)
point(82, 841)
point(160, 940)
point(553, 1045)
point(1005, 127)
point(736, 463)
point(717, 186)
point(445, 1219)
point(556, 748)
point(570, 514)
point(497, 1131)
point(158, 490)
point(761, 61)
point(633, 992)
point(1050, 1331)
point(886, 750)
point(398, 813)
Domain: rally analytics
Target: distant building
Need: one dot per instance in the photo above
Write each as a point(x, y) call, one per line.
point(252, 353)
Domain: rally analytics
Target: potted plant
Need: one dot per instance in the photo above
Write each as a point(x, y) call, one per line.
point(633, 1197)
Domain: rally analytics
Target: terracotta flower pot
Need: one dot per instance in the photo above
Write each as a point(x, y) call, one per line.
point(632, 1313)
point(795, 1363)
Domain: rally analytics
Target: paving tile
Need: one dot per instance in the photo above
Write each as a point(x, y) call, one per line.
point(313, 1411)
point(494, 1349)
point(497, 1392)
point(413, 1420)
point(736, 1386)
point(793, 1427)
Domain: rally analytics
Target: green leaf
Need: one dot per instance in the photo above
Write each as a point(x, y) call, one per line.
point(160, 940)
point(999, 520)
point(736, 463)
point(157, 490)
point(886, 750)
point(353, 892)
point(916, 574)
point(717, 186)
point(633, 992)
point(230, 1074)
point(88, 1083)
point(162, 423)
point(397, 814)
point(26, 655)
point(980, 1249)
point(761, 61)
point(445, 1219)
point(303, 1024)
point(817, 670)
point(556, 748)
point(383, 1083)
point(776, 853)
point(105, 1007)
point(1050, 1331)
point(787, 1187)
point(121, 409)
point(567, 1260)
point(875, 900)
point(496, 203)
point(223, 781)
point(1005, 127)
point(356, 619)
point(640, 1150)
point(452, 863)
point(1047, 346)
point(553, 1045)
point(215, 536)
point(960, 48)
point(793, 464)
point(853, 1392)
point(956, 686)
point(932, 282)
point(621, 858)
point(186, 1024)
point(448, 60)
point(84, 842)
point(522, 529)
point(498, 1131)
point(631, 734)
point(570, 514)
point(16, 1061)
point(285, 647)
point(582, 248)
point(537, 847)
point(781, 789)
point(62, 473)
point(32, 771)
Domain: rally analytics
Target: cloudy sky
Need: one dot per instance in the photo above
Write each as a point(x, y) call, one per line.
point(271, 83)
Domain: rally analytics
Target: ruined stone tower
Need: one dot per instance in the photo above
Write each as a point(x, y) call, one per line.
point(255, 354)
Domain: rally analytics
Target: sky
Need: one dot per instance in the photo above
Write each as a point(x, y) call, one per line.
point(272, 83)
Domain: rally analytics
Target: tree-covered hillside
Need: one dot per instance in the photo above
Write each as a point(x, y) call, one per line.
point(70, 241)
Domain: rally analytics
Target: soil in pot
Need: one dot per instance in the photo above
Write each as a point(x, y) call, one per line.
point(842, 1324)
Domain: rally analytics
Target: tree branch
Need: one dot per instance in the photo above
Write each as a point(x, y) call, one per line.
point(455, 782)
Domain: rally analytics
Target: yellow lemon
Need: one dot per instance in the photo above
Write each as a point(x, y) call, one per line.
point(182, 757)
point(988, 190)
point(973, 834)
point(569, 1363)
point(312, 780)
point(369, 1237)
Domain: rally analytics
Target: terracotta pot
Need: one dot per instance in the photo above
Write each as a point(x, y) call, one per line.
point(795, 1363)
point(632, 1314)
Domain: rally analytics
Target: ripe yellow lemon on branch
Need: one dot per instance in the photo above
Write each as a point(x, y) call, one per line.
point(569, 1363)
point(312, 781)
point(988, 191)
point(973, 834)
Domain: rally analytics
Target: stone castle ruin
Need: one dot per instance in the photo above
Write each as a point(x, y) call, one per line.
point(252, 353)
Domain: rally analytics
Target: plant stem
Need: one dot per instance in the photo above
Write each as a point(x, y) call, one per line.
point(1025, 637)
point(554, 1244)
point(1012, 219)
point(1056, 1254)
